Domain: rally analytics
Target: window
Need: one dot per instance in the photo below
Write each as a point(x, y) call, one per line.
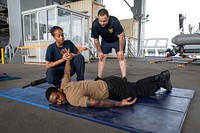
point(42, 18)
point(86, 30)
point(27, 30)
point(64, 22)
point(77, 29)
point(34, 29)
point(51, 22)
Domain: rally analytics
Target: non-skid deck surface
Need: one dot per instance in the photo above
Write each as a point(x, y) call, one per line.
point(162, 113)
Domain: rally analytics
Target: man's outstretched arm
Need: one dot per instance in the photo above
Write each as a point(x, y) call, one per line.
point(104, 103)
point(66, 77)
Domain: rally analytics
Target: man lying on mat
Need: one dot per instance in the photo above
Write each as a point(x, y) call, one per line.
point(101, 93)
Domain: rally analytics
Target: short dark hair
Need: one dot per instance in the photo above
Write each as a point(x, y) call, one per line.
point(49, 91)
point(103, 12)
point(54, 28)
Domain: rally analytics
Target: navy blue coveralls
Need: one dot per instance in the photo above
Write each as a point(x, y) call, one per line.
point(55, 74)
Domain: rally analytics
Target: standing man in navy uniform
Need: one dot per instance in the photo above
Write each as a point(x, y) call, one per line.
point(112, 34)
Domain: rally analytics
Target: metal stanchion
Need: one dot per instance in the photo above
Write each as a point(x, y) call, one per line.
point(2, 56)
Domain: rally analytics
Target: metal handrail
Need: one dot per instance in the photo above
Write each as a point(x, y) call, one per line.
point(92, 49)
point(156, 48)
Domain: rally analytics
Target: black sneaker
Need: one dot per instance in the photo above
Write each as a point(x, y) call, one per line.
point(97, 78)
point(124, 78)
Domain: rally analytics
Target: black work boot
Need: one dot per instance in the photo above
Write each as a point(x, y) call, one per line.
point(163, 80)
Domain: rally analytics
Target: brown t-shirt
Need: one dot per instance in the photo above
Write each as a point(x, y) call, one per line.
point(77, 93)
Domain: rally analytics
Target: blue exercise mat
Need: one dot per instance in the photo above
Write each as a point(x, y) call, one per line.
point(162, 113)
point(8, 78)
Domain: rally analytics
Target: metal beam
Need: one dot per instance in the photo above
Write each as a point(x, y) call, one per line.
point(138, 11)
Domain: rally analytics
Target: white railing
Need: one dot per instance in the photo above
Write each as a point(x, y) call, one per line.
point(155, 47)
point(132, 47)
point(92, 49)
point(152, 47)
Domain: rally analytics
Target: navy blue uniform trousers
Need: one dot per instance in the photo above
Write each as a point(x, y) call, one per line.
point(55, 74)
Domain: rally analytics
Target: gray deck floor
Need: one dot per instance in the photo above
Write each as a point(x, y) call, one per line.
point(23, 118)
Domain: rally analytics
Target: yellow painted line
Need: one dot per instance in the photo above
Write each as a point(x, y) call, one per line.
point(152, 63)
point(180, 65)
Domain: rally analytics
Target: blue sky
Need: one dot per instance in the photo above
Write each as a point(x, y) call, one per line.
point(163, 15)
